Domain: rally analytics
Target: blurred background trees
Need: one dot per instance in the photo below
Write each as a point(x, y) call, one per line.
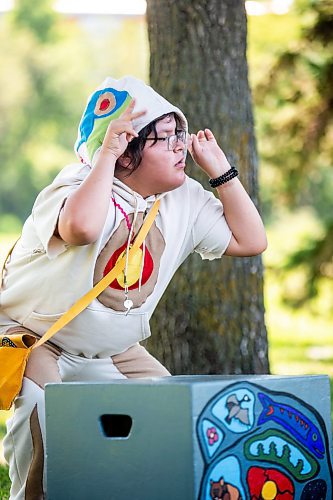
point(295, 115)
point(41, 95)
point(50, 62)
point(49, 65)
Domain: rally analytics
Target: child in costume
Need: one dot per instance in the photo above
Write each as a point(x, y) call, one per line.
point(132, 145)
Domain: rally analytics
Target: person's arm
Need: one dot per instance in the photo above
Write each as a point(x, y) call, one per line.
point(248, 233)
point(83, 215)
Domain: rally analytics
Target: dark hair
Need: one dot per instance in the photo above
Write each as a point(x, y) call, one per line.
point(135, 147)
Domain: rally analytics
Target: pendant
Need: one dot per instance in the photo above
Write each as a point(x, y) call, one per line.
point(128, 304)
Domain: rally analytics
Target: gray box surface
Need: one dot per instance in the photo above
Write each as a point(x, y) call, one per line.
point(191, 437)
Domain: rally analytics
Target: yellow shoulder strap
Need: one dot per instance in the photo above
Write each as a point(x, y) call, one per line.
point(85, 300)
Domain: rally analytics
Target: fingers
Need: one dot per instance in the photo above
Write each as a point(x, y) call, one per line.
point(194, 146)
point(189, 143)
point(129, 114)
point(201, 135)
point(201, 142)
point(209, 134)
point(205, 135)
point(119, 126)
point(120, 131)
point(195, 141)
point(123, 124)
point(125, 128)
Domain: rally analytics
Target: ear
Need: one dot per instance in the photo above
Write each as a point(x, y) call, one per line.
point(124, 161)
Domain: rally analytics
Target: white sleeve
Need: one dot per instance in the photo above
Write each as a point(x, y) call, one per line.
point(211, 233)
point(45, 212)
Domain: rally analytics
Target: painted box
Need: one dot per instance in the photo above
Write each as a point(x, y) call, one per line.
point(190, 437)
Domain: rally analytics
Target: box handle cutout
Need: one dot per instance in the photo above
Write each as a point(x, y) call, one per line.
point(116, 426)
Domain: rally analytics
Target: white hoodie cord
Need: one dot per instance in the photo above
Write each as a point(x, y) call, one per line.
point(128, 303)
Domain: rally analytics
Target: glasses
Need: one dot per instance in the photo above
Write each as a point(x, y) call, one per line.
point(172, 140)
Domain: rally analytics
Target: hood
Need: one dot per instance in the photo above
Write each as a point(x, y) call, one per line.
point(108, 102)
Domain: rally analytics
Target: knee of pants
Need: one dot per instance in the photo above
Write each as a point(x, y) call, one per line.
point(30, 399)
point(25, 438)
point(31, 395)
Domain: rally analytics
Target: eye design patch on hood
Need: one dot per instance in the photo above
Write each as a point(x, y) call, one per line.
point(103, 106)
point(108, 102)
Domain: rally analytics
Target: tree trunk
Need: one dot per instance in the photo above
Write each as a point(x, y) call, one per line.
point(211, 319)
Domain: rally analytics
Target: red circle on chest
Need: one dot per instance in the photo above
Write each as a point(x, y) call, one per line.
point(147, 270)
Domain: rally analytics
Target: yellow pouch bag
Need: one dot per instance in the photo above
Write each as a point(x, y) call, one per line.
point(14, 352)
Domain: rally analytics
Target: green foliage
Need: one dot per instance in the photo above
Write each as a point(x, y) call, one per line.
point(315, 256)
point(40, 19)
point(42, 96)
point(2, 430)
point(4, 479)
point(295, 128)
point(267, 36)
point(9, 223)
point(296, 132)
point(51, 67)
point(4, 483)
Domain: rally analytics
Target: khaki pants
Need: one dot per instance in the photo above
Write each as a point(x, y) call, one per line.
point(25, 438)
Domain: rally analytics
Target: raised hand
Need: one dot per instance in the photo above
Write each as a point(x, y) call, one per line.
point(120, 131)
point(207, 153)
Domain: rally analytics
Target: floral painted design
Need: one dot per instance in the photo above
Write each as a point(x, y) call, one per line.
point(269, 484)
point(212, 435)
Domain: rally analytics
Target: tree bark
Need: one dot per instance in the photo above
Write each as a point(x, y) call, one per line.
point(211, 319)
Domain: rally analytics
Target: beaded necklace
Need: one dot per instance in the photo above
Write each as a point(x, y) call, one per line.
point(120, 208)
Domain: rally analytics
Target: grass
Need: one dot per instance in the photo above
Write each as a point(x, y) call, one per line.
point(300, 338)
point(4, 479)
point(299, 342)
point(4, 483)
